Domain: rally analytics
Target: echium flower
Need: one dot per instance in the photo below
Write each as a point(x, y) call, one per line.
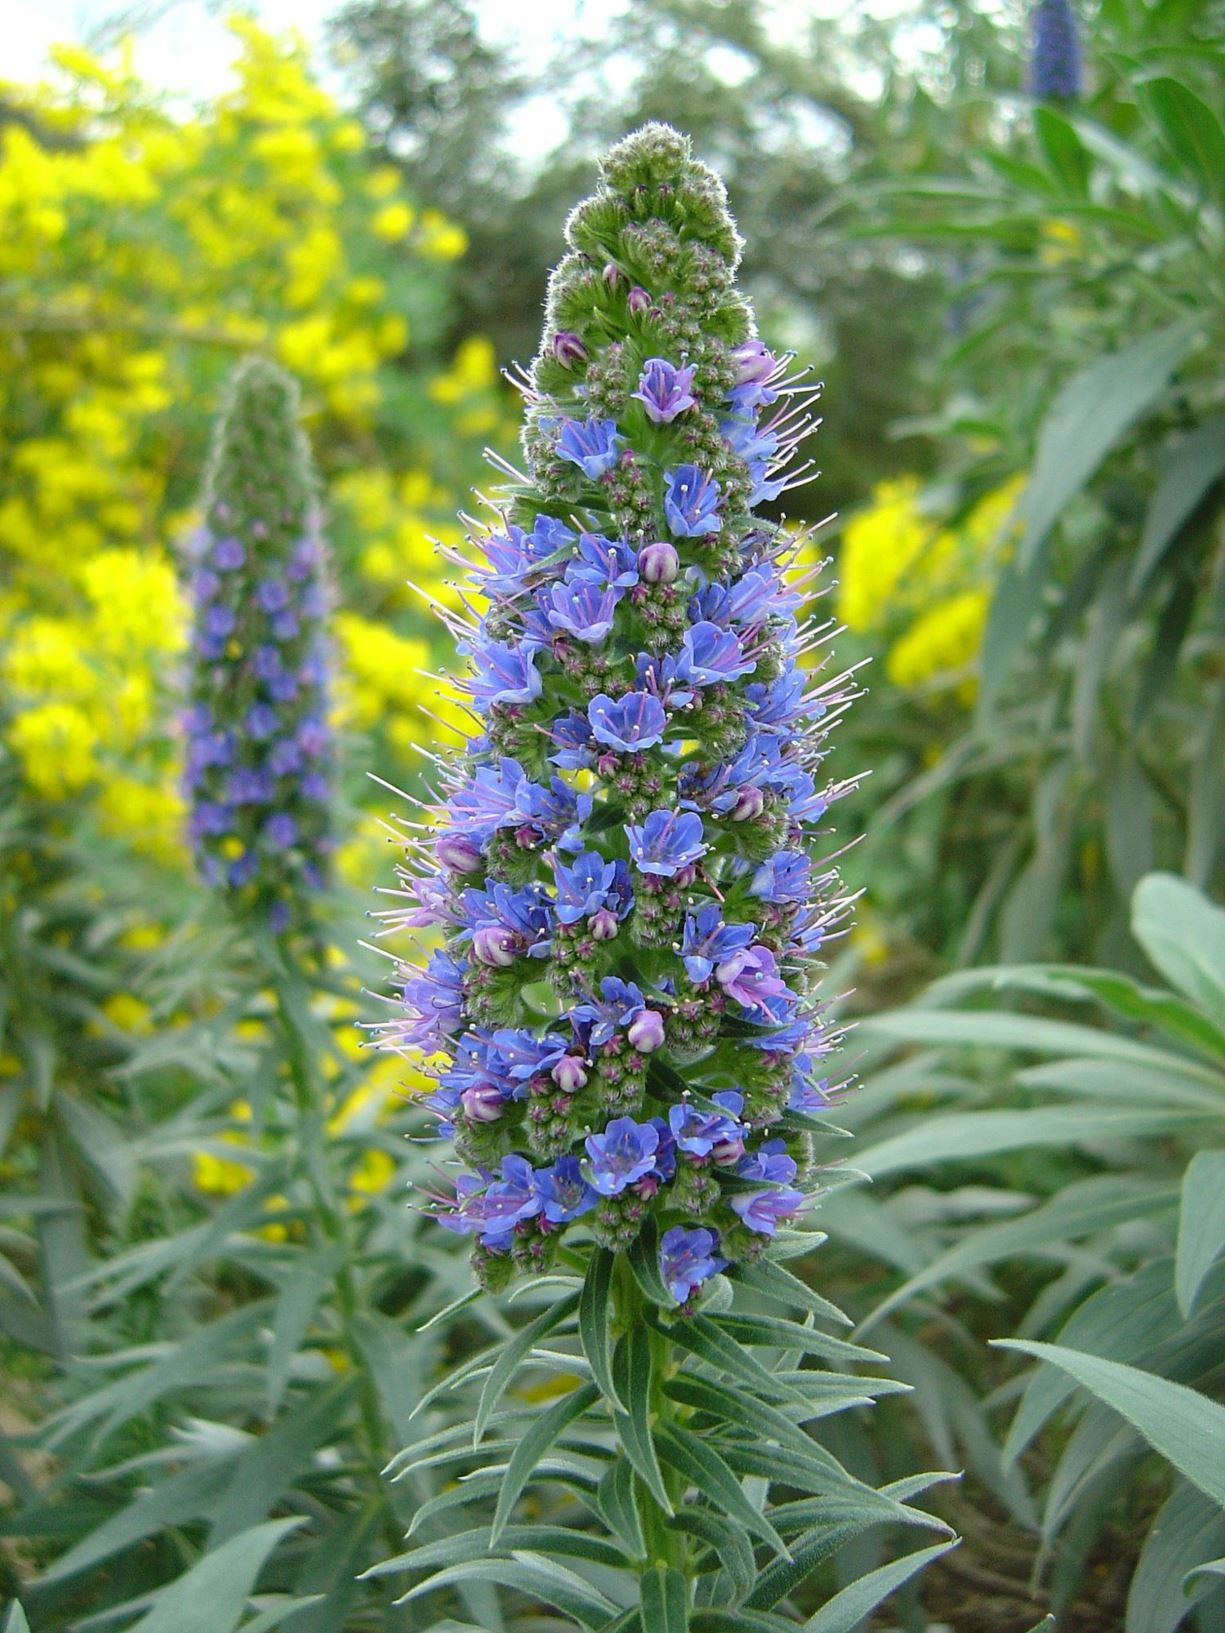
point(1055, 62)
point(637, 828)
point(258, 749)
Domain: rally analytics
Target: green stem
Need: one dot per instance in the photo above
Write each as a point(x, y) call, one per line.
point(332, 1222)
point(665, 1545)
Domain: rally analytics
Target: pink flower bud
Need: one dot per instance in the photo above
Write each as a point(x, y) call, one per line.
point(727, 1153)
point(568, 349)
point(612, 275)
point(603, 924)
point(459, 853)
point(569, 1074)
point(646, 1031)
point(482, 1103)
point(659, 563)
point(494, 945)
point(638, 300)
point(750, 803)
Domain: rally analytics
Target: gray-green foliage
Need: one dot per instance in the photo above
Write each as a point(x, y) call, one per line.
point(1079, 1197)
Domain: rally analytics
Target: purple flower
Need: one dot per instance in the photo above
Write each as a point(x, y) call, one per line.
point(1055, 65)
point(610, 563)
point(687, 1258)
point(281, 830)
point(568, 349)
point(433, 1001)
point(751, 977)
point(228, 555)
point(581, 609)
point(664, 390)
point(755, 362)
point(563, 1192)
point(691, 502)
point(502, 674)
point(593, 446)
point(634, 722)
point(261, 721)
point(710, 655)
point(666, 842)
point(458, 852)
point(482, 1102)
point(622, 1154)
point(764, 1211)
point(708, 941)
point(807, 1094)
point(519, 1054)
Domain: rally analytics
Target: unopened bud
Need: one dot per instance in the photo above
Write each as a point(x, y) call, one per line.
point(569, 1074)
point(568, 349)
point(659, 563)
point(494, 945)
point(638, 300)
point(750, 803)
point(482, 1103)
point(459, 853)
point(603, 924)
point(646, 1031)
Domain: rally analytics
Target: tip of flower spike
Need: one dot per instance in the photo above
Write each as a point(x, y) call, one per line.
point(652, 154)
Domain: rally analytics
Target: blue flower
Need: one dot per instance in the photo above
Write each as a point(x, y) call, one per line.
point(664, 390)
point(581, 609)
point(698, 1131)
point(769, 1162)
point(634, 722)
point(564, 1193)
point(571, 733)
point(784, 877)
point(708, 941)
point(764, 1211)
point(618, 1004)
point(433, 1003)
point(687, 1258)
point(610, 563)
point(593, 446)
point(625, 1152)
point(666, 842)
point(583, 886)
point(502, 674)
point(517, 1054)
point(691, 502)
point(710, 655)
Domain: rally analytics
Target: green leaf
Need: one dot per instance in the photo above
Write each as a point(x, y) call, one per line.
point(643, 1258)
point(665, 1600)
point(1187, 1530)
point(14, 1620)
point(769, 1277)
point(1078, 1210)
point(1120, 1321)
point(728, 1541)
point(269, 1467)
point(539, 1438)
point(1183, 934)
point(702, 1465)
point(1065, 153)
point(1210, 1567)
point(632, 1371)
point(1014, 608)
point(458, 1548)
point(1088, 417)
point(739, 1621)
point(533, 1575)
point(962, 1136)
point(308, 1278)
point(594, 1329)
point(1192, 130)
point(1187, 1428)
point(1187, 470)
point(701, 1337)
point(618, 1504)
point(1201, 1225)
point(844, 1612)
point(769, 1331)
point(511, 1352)
point(212, 1596)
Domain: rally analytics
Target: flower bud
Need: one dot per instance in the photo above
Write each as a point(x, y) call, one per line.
point(482, 1103)
point(569, 1074)
point(659, 563)
point(638, 300)
point(646, 1031)
point(458, 852)
point(750, 803)
point(727, 1153)
point(494, 945)
point(568, 349)
point(602, 924)
point(612, 275)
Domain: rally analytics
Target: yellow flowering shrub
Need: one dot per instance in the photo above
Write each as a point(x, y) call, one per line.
point(142, 251)
point(922, 584)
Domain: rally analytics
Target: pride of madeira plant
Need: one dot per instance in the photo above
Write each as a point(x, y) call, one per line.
point(630, 879)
